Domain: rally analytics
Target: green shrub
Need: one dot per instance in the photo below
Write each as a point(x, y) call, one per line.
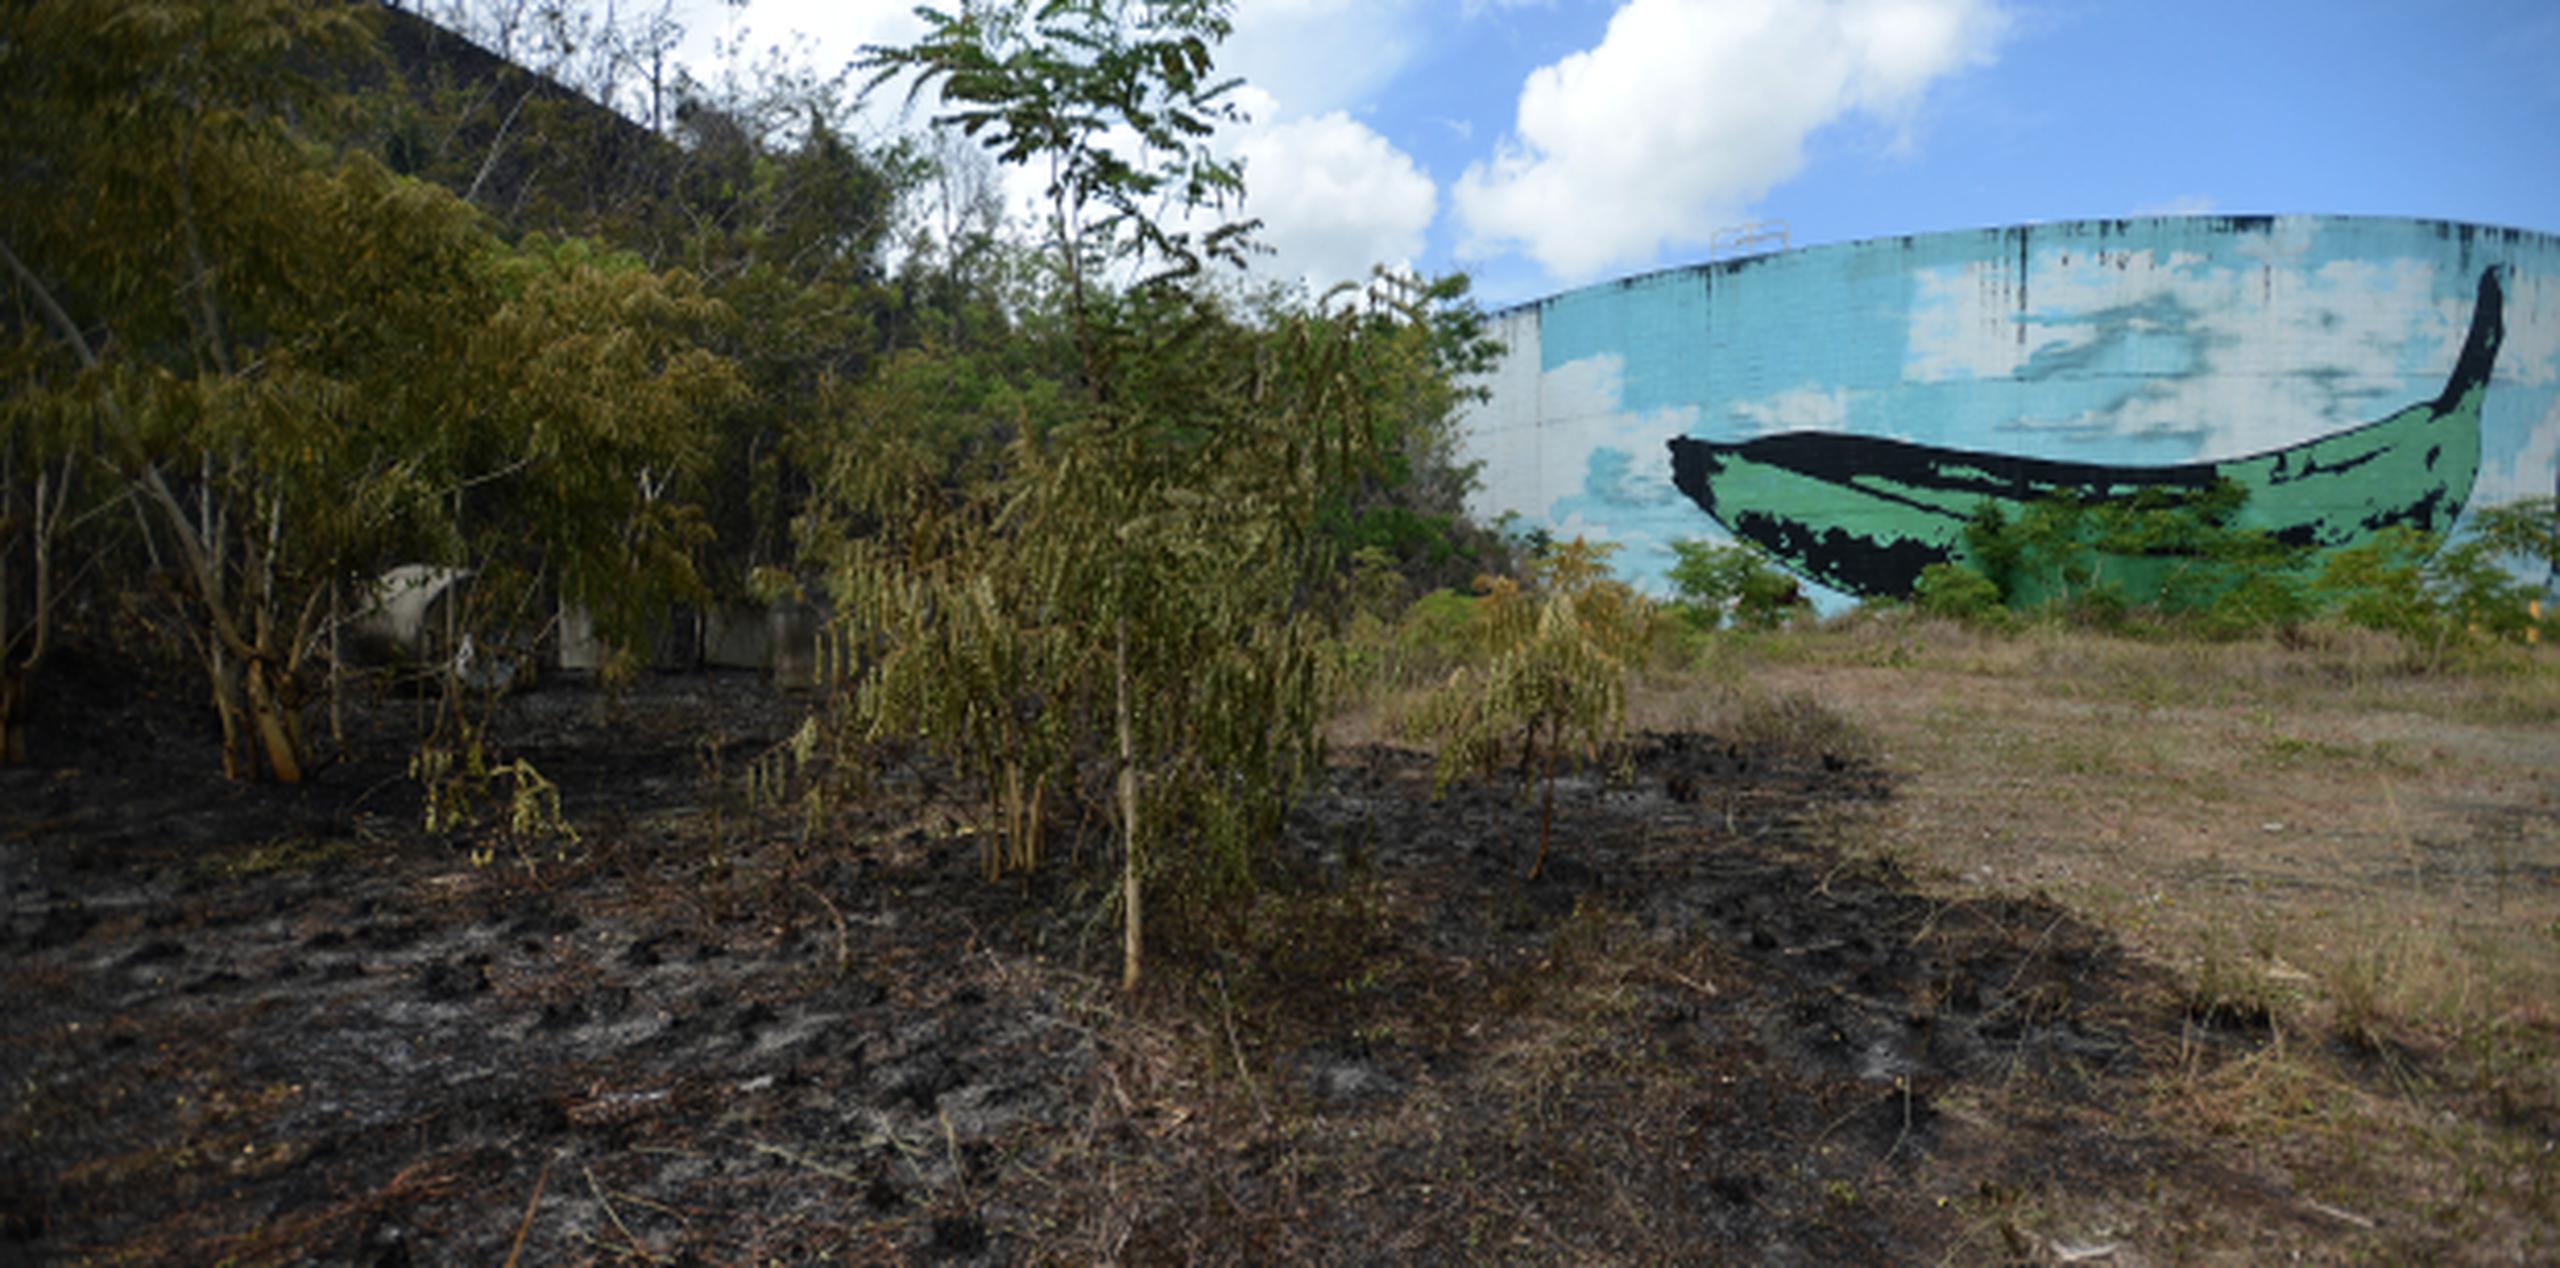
point(1713, 579)
point(2171, 552)
point(1958, 592)
point(2178, 562)
point(1437, 626)
point(2442, 598)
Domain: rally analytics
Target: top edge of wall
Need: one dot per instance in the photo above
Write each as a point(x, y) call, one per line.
point(2103, 226)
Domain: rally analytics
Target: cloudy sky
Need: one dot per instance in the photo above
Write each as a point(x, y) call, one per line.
point(1542, 144)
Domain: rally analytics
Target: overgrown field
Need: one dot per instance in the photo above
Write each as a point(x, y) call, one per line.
point(1888, 941)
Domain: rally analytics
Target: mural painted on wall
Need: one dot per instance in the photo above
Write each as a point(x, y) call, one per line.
point(1849, 407)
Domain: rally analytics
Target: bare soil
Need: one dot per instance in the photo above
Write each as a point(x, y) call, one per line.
point(287, 1025)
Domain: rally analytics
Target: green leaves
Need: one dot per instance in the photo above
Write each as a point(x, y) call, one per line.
point(1713, 580)
point(1017, 565)
point(2441, 597)
point(2177, 551)
point(2196, 565)
point(1114, 95)
point(309, 369)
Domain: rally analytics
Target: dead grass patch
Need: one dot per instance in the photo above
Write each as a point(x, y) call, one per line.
point(2351, 856)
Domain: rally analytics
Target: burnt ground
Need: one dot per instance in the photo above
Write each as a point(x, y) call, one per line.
point(288, 1025)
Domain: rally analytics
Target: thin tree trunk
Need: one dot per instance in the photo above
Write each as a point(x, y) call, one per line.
point(226, 706)
point(17, 669)
point(13, 720)
point(1131, 941)
point(1547, 814)
point(337, 675)
point(279, 726)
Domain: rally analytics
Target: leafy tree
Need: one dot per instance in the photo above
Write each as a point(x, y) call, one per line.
point(2439, 596)
point(1117, 99)
point(303, 368)
point(44, 493)
point(2526, 530)
point(1411, 504)
point(1713, 579)
point(750, 183)
point(1088, 550)
point(1124, 586)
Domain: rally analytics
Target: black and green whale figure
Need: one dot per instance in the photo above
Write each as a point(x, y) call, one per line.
point(1864, 514)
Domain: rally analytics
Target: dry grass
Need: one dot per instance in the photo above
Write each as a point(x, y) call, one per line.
point(2353, 862)
point(2347, 852)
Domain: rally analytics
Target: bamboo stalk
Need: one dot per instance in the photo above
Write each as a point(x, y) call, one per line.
point(1131, 941)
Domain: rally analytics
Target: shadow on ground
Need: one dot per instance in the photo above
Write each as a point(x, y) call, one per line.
point(286, 1024)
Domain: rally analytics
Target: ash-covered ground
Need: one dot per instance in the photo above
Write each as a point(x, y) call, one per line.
point(289, 1025)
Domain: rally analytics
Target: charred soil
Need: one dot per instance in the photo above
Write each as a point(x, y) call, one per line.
point(271, 1025)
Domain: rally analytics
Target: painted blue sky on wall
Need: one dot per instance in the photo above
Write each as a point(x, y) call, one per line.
point(2138, 342)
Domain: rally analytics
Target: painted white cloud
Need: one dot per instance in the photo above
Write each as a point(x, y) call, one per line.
point(2214, 353)
point(2531, 353)
point(1690, 110)
point(1804, 408)
point(1602, 471)
point(2529, 473)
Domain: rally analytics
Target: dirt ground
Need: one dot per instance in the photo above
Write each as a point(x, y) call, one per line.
point(1758, 1009)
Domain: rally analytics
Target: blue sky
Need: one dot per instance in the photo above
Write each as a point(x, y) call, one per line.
point(1543, 144)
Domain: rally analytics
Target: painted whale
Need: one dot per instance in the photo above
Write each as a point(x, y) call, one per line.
point(1865, 514)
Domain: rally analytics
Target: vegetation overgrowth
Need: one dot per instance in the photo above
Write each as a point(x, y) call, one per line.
point(306, 294)
point(1114, 547)
point(2188, 563)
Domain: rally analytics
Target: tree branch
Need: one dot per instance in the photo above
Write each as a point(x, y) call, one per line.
point(199, 561)
point(497, 144)
point(51, 307)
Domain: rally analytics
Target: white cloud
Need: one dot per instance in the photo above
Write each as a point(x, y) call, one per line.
point(822, 37)
point(1334, 198)
point(1689, 110)
point(835, 30)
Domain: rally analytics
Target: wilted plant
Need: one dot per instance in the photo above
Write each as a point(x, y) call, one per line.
point(1556, 650)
